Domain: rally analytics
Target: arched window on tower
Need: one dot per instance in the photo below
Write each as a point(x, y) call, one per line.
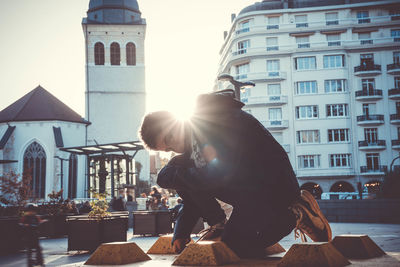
point(35, 167)
point(72, 175)
point(130, 54)
point(99, 54)
point(115, 54)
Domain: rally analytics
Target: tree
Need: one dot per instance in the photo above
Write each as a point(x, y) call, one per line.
point(15, 191)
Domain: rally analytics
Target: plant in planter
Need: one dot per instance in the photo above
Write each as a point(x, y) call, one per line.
point(15, 192)
point(87, 232)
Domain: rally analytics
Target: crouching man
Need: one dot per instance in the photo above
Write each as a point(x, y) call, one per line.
point(226, 154)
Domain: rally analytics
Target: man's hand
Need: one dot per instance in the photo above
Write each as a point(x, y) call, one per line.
point(179, 244)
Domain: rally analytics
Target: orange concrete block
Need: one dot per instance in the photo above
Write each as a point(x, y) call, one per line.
point(357, 246)
point(206, 253)
point(313, 255)
point(163, 245)
point(117, 253)
point(274, 249)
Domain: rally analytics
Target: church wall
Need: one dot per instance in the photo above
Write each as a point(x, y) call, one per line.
point(42, 132)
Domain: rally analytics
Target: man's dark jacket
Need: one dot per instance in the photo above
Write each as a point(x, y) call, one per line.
point(249, 164)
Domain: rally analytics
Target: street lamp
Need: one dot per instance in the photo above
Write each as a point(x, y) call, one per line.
point(238, 85)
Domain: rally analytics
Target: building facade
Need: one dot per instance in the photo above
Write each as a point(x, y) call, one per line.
point(327, 78)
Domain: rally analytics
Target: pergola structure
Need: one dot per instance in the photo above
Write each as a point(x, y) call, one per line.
point(104, 165)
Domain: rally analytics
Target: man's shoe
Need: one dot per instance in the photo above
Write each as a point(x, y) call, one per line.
point(310, 220)
point(212, 233)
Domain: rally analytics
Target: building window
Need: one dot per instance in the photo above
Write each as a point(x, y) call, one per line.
point(340, 160)
point(273, 67)
point(338, 135)
point(242, 71)
point(394, 14)
point(244, 26)
point(35, 167)
point(306, 87)
point(273, 23)
point(367, 61)
point(369, 109)
point(305, 63)
point(274, 89)
point(308, 137)
point(365, 38)
point(303, 41)
point(368, 85)
point(396, 58)
point(243, 46)
point(395, 34)
point(335, 86)
point(332, 18)
point(99, 54)
point(372, 161)
point(115, 54)
point(309, 161)
point(72, 176)
point(336, 110)
point(363, 17)
point(301, 21)
point(272, 44)
point(397, 82)
point(306, 112)
point(130, 54)
point(275, 114)
point(333, 39)
point(371, 135)
point(333, 61)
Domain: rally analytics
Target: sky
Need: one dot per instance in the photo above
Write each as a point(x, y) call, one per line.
point(42, 43)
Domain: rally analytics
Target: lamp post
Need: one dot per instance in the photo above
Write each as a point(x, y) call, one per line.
point(237, 85)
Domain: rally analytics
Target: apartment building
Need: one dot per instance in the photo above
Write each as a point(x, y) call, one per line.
point(327, 77)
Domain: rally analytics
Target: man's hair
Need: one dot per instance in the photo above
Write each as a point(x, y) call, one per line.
point(153, 124)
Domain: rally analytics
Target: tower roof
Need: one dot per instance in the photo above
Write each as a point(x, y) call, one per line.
point(39, 105)
point(113, 12)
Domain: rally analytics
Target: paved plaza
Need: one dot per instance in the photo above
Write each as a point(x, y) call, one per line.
point(387, 236)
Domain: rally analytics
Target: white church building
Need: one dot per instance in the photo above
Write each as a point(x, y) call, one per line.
point(41, 136)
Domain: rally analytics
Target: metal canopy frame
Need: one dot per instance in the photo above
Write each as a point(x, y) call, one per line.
point(6, 161)
point(104, 152)
point(105, 148)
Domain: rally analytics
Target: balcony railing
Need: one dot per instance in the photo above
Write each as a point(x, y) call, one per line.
point(273, 48)
point(301, 25)
point(332, 22)
point(362, 21)
point(394, 93)
point(242, 30)
point(393, 68)
point(377, 144)
point(396, 143)
point(303, 45)
point(267, 100)
point(334, 43)
point(370, 119)
point(395, 118)
point(272, 27)
point(365, 42)
point(369, 94)
point(276, 124)
point(367, 70)
point(380, 169)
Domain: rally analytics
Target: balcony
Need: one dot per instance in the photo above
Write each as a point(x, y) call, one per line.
point(373, 170)
point(396, 144)
point(374, 94)
point(276, 76)
point(393, 68)
point(394, 93)
point(370, 119)
point(276, 124)
point(395, 119)
point(371, 145)
point(272, 100)
point(242, 30)
point(270, 76)
point(367, 70)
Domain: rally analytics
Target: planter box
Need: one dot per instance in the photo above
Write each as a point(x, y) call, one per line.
point(11, 235)
point(88, 234)
point(56, 226)
point(152, 222)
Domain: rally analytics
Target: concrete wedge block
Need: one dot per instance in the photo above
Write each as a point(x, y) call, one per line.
point(117, 253)
point(357, 246)
point(274, 249)
point(163, 245)
point(206, 253)
point(313, 255)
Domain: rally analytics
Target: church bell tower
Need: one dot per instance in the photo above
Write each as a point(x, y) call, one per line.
point(115, 73)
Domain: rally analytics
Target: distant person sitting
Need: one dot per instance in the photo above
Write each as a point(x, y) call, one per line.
point(119, 204)
point(85, 208)
point(175, 210)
